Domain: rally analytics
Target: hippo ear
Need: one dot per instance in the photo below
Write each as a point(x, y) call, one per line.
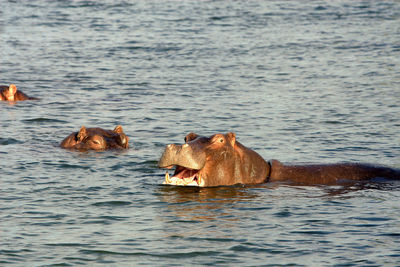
point(231, 138)
point(12, 89)
point(190, 137)
point(118, 129)
point(82, 133)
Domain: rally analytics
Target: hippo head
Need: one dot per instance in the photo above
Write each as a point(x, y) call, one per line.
point(212, 161)
point(96, 139)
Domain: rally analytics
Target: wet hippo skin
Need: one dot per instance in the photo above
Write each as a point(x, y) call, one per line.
point(96, 139)
point(221, 160)
point(11, 93)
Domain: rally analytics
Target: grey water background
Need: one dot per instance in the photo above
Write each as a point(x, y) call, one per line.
point(298, 81)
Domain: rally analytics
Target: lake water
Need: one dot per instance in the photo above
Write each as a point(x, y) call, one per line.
point(298, 81)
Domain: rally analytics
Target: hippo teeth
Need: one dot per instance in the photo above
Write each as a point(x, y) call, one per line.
point(167, 179)
point(185, 177)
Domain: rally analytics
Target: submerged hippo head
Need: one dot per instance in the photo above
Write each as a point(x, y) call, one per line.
point(96, 139)
point(213, 161)
point(10, 93)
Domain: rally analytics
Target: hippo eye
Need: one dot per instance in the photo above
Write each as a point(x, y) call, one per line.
point(96, 142)
point(221, 140)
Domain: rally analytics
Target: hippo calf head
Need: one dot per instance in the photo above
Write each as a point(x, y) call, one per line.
point(96, 139)
point(213, 161)
point(11, 93)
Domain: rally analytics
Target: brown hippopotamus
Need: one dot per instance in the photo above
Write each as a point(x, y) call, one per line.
point(96, 139)
point(10, 93)
point(221, 160)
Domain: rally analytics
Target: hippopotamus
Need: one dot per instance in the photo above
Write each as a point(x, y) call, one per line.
point(96, 139)
point(10, 93)
point(220, 160)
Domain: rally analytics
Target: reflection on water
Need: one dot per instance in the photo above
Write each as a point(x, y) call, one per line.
point(344, 191)
point(204, 204)
point(229, 194)
point(203, 212)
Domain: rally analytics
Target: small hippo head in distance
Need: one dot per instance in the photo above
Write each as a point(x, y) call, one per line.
point(96, 139)
point(11, 93)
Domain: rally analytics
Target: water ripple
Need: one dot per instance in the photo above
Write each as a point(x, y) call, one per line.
point(43, 121)
point(112, 203)
point(9, 141)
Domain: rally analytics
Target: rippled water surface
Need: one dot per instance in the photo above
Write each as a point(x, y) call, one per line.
point(299, 81)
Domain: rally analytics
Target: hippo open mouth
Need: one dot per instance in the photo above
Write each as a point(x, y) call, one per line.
point(188, 160)
point(184, 176)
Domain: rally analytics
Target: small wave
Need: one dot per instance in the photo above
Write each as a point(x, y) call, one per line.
point(320, 8)
point(394, 235)
point(42, 120)
point(13, 255)
point(181, 255)
point(311, 232)
point(67, 166)
point(112, 203)
point(333, 122)
point(218, 18)
point(210, 239)
point(107, 252)
point(252, 248)
point(283, 214)
point(113, 218)
point(9, 141)
point(373, 219)
point(67, 245)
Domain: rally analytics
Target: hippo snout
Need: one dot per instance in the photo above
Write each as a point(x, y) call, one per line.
point(182, 155)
